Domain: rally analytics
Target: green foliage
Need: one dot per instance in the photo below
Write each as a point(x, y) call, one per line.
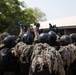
point(10, 14)
point(13, 11)
point(39, 15)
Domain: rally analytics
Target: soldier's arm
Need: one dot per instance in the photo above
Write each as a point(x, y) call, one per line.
point(36, 33)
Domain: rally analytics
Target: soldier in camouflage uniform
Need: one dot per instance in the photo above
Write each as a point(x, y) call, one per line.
point(53, 40)
point(73, 37)
point(43, 38)
point(46, 61)
point(72, 68)
point(68, 53)
point(23, 52)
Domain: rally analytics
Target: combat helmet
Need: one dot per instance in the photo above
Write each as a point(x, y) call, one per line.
point(27, 38)
point(52, 36)
point(9, 41)
point(43, 38)
point(73, 37)
point(65, 40)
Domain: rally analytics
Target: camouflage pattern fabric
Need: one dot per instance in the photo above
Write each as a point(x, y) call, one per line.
point(22, 51)
point(68, 54)
point(38, 59)
point(2, 36)
point(44, 55)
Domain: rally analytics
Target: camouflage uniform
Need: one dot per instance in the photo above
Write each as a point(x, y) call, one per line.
point(23, 53)
point(68, 54)
point(46, 60)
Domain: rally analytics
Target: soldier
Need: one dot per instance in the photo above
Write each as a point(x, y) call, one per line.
point(46, 61)
point(73, 37)
point(23, 51)
point(53, 40)
point(7, 58)
point(10, 41)
point(43, 38)
point(27, 38)
point(68, 53)
point(65, 40)
point(72, 49)
point(31, 30)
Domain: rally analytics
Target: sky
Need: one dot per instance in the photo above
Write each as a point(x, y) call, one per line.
point(54, 9)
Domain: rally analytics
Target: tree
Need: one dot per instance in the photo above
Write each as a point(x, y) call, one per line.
point(10, 15)
point(13, 11)
point(40, 16)
point(29, 16)
point(34, 15)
